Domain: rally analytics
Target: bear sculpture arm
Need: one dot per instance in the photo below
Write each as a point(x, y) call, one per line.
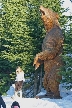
point(50, 51)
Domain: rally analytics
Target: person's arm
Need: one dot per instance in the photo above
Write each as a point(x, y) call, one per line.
point(23, 78)
point(3, 103)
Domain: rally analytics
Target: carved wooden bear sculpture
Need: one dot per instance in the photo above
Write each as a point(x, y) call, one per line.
point(51, 50)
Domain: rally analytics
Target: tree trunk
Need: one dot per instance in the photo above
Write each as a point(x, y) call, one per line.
point(40, 79)
point(35, 83)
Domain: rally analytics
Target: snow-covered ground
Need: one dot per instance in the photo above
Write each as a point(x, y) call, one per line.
point(65, 102)
point(40, 103)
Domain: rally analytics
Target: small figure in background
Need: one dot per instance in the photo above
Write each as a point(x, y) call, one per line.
point(2, 103)
point(15, 104)
point(19, 81)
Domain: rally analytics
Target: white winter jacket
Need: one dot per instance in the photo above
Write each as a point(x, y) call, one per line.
point(20, 76)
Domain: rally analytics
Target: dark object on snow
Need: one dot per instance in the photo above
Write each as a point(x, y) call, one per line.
point(2, 103)
point(15, 104)
point(51, 50)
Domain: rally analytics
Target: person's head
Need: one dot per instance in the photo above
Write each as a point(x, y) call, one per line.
point(15, 104)
point(18, 70)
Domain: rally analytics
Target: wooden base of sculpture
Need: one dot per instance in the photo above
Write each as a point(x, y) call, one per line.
point(48, 95)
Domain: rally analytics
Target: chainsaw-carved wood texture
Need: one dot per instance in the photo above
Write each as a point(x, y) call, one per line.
point(51, 49)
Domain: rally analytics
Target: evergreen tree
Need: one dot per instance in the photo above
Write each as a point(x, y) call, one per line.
point(66, 70)
point(22, 33)
point(16, 44)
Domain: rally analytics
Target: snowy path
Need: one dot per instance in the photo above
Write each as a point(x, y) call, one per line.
point(40, 103)
point(65, 102)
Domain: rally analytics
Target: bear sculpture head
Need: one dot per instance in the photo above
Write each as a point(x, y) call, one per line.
point(49, 18)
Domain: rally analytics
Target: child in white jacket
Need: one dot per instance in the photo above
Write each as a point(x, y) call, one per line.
point(19, 81)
